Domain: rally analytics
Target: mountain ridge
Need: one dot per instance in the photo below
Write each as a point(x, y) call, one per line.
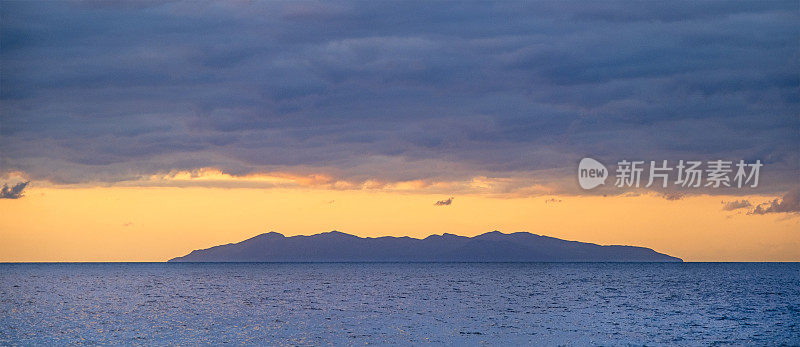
point(494, 246)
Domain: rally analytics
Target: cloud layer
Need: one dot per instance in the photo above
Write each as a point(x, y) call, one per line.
point(790, 203)
point(395, 91)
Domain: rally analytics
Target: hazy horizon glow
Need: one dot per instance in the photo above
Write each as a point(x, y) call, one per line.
point(158, 223)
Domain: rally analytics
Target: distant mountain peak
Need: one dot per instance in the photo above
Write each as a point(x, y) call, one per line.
point(270, 234)
point(334, 233)
point(494, 234)
point(443, 236)
point(494, 246)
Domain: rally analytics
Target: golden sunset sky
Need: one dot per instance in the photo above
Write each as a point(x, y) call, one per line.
point(136, 223)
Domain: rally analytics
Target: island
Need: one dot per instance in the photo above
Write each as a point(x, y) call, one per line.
point(495, 246)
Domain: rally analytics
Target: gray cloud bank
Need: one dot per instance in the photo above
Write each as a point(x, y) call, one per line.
point(395, 90)
point(790, 203)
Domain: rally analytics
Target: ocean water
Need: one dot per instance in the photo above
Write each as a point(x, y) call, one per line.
point(400, 303)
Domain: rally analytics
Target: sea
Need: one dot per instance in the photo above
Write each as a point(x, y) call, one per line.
point(400, 303)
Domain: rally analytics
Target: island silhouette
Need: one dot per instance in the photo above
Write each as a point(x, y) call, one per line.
point(335, 246)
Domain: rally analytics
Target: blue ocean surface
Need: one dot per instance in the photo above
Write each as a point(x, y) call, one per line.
point(400, 303)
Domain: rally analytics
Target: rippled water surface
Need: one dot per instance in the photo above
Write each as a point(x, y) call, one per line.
point(690, 303)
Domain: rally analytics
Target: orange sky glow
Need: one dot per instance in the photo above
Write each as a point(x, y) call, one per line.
point(156, 223)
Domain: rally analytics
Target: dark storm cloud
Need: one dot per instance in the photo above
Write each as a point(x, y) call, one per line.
point(13, 192)
point(94, 91)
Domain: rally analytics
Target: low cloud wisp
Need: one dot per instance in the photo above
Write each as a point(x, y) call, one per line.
point(13, 192)
point(736, 204)
point(444, 202)
point(790, 203)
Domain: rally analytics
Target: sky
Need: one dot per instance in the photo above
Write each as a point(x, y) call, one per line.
point(138, 131)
